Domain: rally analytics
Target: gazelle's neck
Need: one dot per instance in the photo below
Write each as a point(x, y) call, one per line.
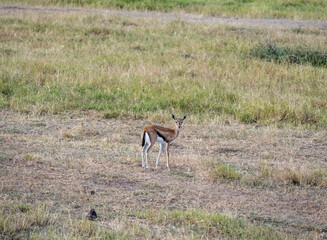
point(176, 131)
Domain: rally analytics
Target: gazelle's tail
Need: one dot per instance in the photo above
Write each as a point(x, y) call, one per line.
point(143, 139)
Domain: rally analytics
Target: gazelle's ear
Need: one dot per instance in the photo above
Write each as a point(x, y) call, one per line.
point(184, 117)
point(173, 116)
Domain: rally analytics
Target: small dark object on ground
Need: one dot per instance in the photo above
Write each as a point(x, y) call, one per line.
point(92, 215)
point(186, 55)
point(92, 192)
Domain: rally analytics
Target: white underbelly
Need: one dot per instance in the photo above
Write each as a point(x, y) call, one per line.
point(160, 139)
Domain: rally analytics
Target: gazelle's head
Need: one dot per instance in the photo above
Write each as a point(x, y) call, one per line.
point(178, 121)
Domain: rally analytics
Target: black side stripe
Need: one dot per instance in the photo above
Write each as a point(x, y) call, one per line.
point(160, 135)
point(143, 139)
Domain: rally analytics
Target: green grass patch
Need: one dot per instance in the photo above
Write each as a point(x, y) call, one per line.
point(270, 51)
point(199, 223)
point(23, 207)
point(310, 9)
point(219, 171)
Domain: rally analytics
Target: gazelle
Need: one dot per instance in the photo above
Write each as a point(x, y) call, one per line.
point(155, 133)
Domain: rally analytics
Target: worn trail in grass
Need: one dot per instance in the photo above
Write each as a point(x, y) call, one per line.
point(309, 9)
point(73, 163)
point(236, 21)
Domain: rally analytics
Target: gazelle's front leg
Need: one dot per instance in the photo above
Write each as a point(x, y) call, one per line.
point(157, 163)
point(167, 153)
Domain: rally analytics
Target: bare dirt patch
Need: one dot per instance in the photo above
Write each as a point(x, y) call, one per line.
point(98, 165)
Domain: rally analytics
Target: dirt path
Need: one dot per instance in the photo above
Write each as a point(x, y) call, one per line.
point(268, 23)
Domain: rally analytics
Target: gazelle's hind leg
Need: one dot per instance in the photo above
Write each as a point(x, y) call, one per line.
point(150, 142)
point(147, 146)
point(167, 153)
point(146, 156)
point(157, 163)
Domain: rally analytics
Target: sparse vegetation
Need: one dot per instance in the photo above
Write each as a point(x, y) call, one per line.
point(209, 225)
point(196, 223)
point(100, 168)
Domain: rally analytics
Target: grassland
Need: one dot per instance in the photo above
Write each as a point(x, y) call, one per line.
point(226, 181)
point(296, 9)
point(137, 68)
point(77, 88)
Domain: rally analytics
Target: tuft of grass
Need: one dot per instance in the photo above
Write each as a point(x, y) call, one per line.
point(182, 173)
point(23, 207)
point(295, 176)
point(85, 228)
point(265, 171)
point(32, 159)
point(14, 224)
point(76, 132)
point(29, 157)
point(255, 182)
point(218, 171)
point(270, 51)
point(209, 225)
point(306, 178)
point(5, 157)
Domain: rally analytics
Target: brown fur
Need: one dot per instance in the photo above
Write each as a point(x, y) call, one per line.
point(153, 130)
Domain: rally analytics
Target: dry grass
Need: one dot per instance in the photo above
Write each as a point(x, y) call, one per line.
point(209, 225)
point(17, 221)
point(49, 182)
point(298, 175)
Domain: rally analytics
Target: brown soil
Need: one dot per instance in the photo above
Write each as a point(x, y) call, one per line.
point(81, 162)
